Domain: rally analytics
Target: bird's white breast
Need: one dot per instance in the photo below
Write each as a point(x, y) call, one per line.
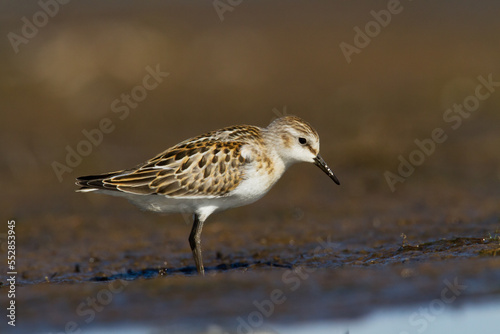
point(257, 181)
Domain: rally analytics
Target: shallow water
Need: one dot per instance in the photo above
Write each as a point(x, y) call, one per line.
point(426, 318)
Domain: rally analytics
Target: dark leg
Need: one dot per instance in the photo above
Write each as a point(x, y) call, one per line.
point(195, 242)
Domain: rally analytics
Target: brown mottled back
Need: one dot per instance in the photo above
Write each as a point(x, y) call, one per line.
point(205, 166)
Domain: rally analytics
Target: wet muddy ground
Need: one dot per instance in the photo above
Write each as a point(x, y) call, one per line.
point(309, 250)
point(111, 264)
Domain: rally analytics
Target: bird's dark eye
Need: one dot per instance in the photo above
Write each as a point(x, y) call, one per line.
point(302, 141)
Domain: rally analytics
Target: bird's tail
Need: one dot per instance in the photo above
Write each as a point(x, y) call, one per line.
point(96, 182)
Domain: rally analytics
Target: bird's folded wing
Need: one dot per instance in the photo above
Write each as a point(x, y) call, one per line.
point(204, 168)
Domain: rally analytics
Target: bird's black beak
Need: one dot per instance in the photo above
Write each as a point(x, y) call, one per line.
point(318, 161)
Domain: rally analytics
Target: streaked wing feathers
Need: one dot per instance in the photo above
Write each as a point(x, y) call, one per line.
point(210, 165)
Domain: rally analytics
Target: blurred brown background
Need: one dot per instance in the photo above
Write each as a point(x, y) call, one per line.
point(236, 71)
point(263, 59)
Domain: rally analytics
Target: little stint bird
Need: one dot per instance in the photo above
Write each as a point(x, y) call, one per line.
point(215, 171)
